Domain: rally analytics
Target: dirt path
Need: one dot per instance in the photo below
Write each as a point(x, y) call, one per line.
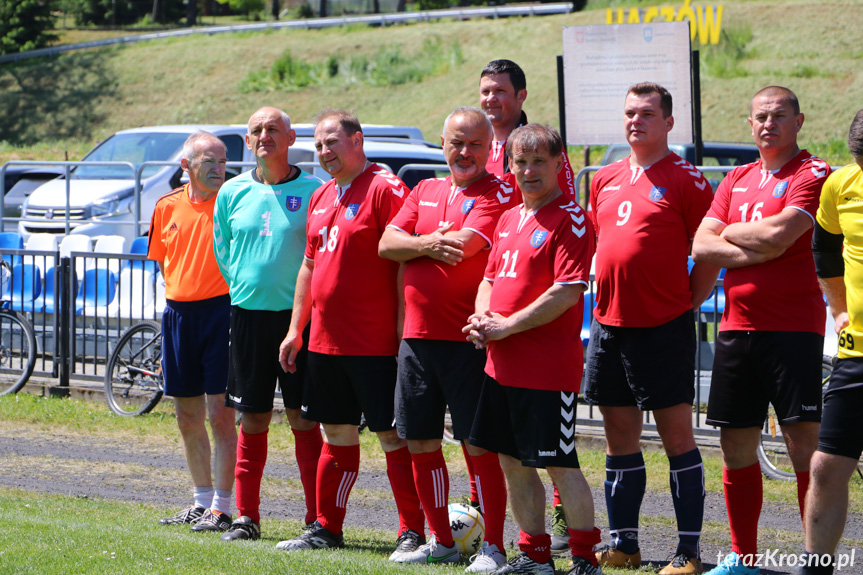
point(134, 470)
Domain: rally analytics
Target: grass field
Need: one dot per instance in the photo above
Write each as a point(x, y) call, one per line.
point(54, 533)
point(66, 104)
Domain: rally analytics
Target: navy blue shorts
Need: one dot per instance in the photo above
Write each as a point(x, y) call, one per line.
point(649, 367)
point(195, 346)
point(340, 389)
point(535, 426)
point(254, 371)
point(432, 375)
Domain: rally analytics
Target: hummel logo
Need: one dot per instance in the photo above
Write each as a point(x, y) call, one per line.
point(319, 211)
point(173, 227)
point(503, 234)
point(734, 190)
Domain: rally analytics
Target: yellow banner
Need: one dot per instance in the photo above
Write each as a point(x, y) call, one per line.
point(705, 22)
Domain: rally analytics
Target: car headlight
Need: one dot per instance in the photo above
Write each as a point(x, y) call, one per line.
point(110, 206)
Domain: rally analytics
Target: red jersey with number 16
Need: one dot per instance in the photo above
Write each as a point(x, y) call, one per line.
point(646, 220)
point(354, 291)
point(533, 251)
point(781, 294)
point(439, 297)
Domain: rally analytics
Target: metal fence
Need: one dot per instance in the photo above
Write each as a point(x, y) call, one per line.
point(81, 304)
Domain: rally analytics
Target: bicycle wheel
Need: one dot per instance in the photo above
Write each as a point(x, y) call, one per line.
point(17, 351)
point(772, 451)
point(133, 376)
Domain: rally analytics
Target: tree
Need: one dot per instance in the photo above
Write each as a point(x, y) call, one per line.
point(25, 25)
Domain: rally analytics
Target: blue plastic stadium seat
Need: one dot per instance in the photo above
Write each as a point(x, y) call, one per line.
point(26, 285)
point(48, 300)
point(11, 241)
point(140, 246)
point(97, 289)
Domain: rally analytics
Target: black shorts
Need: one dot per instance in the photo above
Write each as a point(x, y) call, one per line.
point(339, 389)
point(651, 367)
point(195, 346)
point(841, 425)
point(534, 426)
point(754, 368)
point(254, 368)
point(431, 375)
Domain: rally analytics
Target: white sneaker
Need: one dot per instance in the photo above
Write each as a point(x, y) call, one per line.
point(431, 552)
point(487, 560)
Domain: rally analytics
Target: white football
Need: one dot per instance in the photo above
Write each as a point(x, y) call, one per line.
point(468, 528)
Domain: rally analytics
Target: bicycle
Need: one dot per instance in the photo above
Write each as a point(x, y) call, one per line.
point(133, 374)
point(772, 451)
point(17, 340)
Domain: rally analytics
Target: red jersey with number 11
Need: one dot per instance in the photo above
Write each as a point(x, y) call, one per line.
point(354, 291)
point(533, 251)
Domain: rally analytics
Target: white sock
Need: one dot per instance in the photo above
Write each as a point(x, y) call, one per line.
point(204, 496)
point(222, 501)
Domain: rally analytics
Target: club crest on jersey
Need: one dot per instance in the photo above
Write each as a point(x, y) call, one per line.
point(538, 238)
point(779, 190)
point(351, 212)
point(656, 193)
point(467, 205)
point(293, 203)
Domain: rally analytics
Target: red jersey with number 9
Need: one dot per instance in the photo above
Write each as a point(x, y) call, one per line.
point(354, 291)
point(781, 294)
point(646, 220)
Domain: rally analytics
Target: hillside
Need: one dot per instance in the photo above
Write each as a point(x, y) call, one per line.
point(71, 102)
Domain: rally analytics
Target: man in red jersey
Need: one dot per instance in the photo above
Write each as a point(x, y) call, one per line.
point(351, 296)
point(770, 342)
point(502, 92)
point(195, 328)
point(527, 309)
point(443, 233)
point(641, 355)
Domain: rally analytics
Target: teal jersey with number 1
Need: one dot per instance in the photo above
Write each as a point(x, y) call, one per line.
point(259, 235)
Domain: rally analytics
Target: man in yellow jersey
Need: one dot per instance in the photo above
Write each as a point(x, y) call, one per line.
point(195, 329)
point(837, 245)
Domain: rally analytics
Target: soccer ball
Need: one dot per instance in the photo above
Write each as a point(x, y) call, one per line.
point(468, 528)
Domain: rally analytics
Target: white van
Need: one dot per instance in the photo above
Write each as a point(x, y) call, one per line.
point(101, 199)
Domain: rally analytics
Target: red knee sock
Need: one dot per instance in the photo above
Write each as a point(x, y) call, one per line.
point(555, 499)
point(581, 543)
point(432, 484)
point(307, 447)
point(401, 473)
point(491, 488)
point(537, 547)
point(251, 458)
point(744, 493)
point(474, 496)
point(802, 487)
point(337, 473)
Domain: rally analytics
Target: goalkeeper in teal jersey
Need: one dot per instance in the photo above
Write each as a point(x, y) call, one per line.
point(259, 235)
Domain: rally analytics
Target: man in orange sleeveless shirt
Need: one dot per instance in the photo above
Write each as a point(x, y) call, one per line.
point(195, 328)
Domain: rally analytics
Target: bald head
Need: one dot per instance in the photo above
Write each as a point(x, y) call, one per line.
point(779, 93)
point(268, 112)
